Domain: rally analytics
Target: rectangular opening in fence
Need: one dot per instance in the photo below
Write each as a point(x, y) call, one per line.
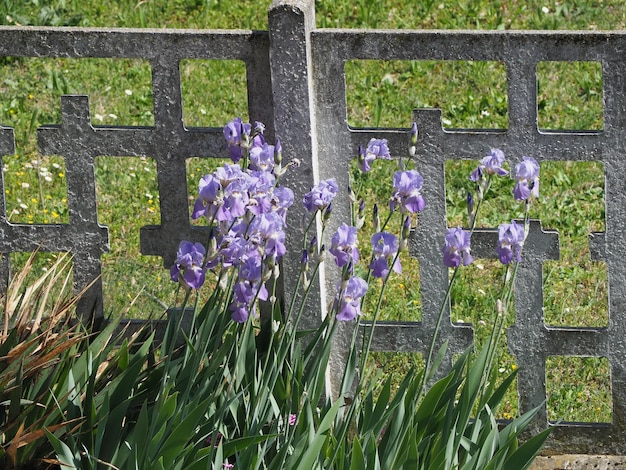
point(401, 299)
point(128, 199)
point(472, 94)
point(35, 189)
point(119, 90)
point(214, 92)
point(570, 95)
point(578, 389)
point(572, 202)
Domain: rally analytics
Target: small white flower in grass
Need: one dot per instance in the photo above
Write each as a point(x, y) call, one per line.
point(23, 206)
point(99, 117)
point(25, 185)
point(128, 92)
point(546, 10)
point(112, 116)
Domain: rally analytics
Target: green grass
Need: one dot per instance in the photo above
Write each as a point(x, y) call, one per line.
point(470, 94)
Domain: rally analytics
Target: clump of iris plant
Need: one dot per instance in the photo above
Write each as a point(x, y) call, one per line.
point(246, 208)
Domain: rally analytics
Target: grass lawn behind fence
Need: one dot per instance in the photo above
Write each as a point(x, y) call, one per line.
point(380, 93)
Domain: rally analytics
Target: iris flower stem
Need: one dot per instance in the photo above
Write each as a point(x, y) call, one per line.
point(479, 203)
point(292, 304)
point(308, 227)
point(353, 206)
point(508, 288)
point(431, 349)
point(365, 348)
point(499, 322)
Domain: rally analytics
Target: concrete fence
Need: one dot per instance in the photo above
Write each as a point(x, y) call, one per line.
point(296, 86)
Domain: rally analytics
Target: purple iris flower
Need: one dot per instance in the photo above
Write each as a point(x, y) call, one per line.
point(260, 192)
point(510, 242)
point(407, 185)
point(365, 159)
point(456, 249)
point(262, 158)
point(233, 246)
point(349, 305)
point(251, 267)
point(209, 198)
point(344, 245)
point(385, 246)
point(526, 179)
point(266, 231)
point(188, 268)
point(281, 200)
point(244, 294)
point(235, 200)
point(235, 132)
point(320, 197)
point(490, 165)
point(241, 312)
point(378, 148)
point(249, 287)
point(228, 173)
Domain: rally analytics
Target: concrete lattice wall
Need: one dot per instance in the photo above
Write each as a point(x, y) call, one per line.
point(296, 85)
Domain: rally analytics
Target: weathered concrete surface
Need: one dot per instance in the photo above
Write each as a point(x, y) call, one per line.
point(579, 461)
